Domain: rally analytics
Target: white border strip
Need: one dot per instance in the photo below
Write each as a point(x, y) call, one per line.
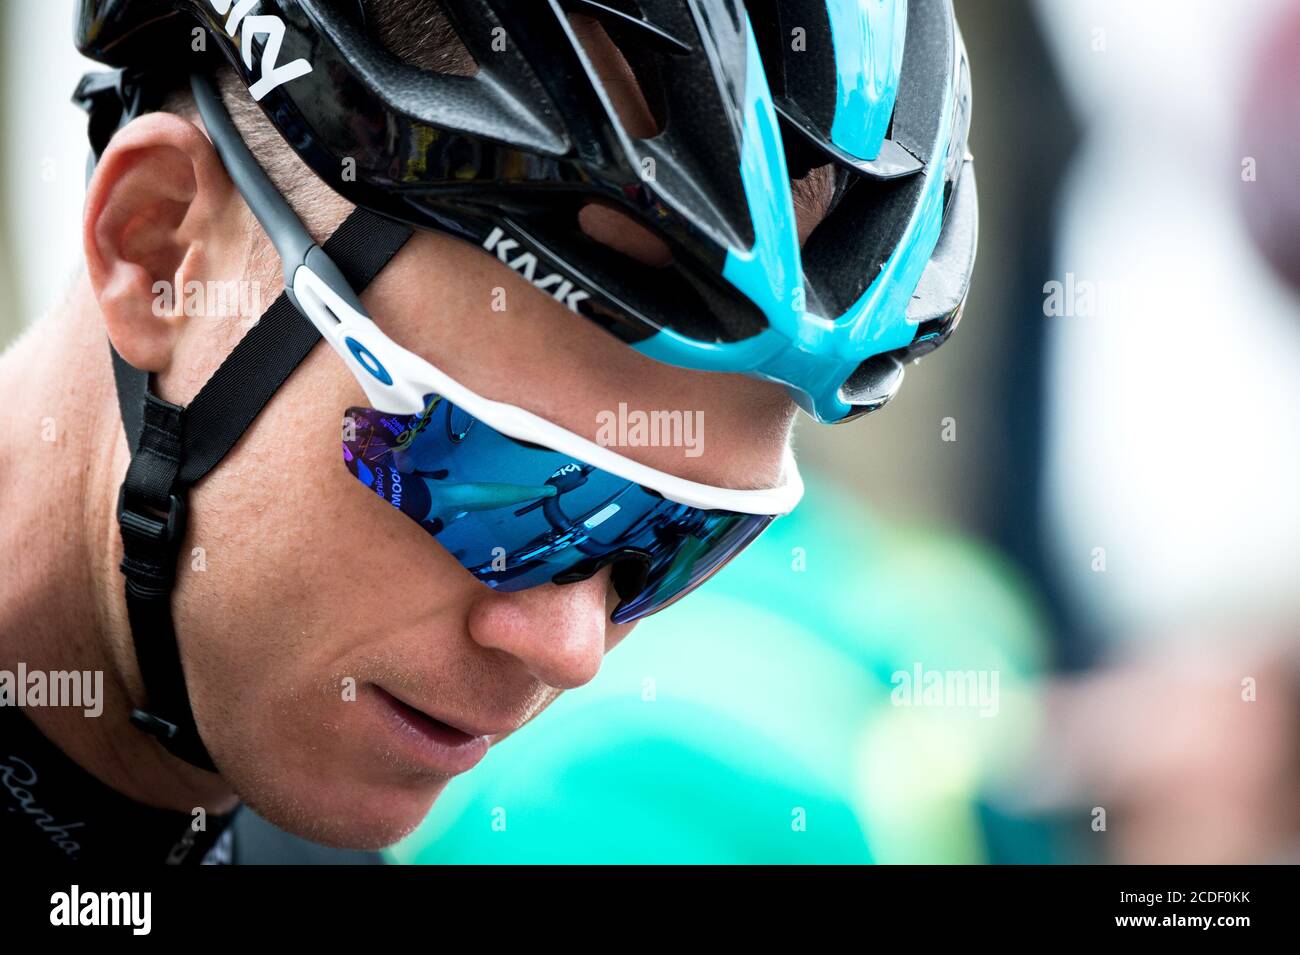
point(410, 378)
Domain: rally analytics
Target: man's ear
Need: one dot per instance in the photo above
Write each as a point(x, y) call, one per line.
point(159, 207)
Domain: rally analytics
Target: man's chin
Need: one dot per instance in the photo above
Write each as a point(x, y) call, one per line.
point(368, 819)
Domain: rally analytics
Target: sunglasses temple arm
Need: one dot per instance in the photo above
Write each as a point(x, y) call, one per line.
point(293, 243)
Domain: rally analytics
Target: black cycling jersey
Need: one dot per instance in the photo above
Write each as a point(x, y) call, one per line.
point(52, 810)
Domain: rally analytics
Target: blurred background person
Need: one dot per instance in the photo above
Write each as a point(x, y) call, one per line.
point(1171, 461)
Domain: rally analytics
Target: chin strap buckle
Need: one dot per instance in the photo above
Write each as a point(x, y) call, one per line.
point(151, 513)
point(150, 543)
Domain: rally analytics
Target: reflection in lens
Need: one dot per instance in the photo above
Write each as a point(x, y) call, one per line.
point(518, 515)
point(697, 558)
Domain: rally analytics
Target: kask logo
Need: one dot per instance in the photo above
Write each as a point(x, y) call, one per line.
point(525, 263)
point(262, 25)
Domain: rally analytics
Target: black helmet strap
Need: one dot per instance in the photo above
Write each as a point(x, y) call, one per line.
point(172, 448)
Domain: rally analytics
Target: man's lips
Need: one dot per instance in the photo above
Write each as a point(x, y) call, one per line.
point(464, 727)
point(450, 748)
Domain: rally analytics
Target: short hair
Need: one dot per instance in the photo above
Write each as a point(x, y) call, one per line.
point(416, 31)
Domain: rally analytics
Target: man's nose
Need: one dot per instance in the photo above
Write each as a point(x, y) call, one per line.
point(557, 631)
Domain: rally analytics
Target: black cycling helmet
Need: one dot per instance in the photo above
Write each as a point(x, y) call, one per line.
point(744, 93)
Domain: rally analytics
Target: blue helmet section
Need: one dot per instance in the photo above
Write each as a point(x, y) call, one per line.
point(868, 36)
point(812, 353)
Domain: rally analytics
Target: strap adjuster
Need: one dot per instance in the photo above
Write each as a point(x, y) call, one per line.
point(148, 525)
point(183, 743)
point(164, 730)
point(150, 545)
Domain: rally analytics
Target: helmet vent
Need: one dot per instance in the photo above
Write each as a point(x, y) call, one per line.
point(419, 33)
point(631, 84)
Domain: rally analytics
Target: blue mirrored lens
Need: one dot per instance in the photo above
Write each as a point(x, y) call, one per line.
point(702, 552)
point(518, 515)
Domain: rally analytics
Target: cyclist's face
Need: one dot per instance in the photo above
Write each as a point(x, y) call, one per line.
point(328, 641)
point(326, 620)
point(322, 608)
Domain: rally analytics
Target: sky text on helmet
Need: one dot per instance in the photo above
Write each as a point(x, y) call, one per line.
point(269, 26)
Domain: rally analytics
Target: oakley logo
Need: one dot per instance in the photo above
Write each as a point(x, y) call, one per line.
point(269, 26)
point(367, 360)
point(560, 288)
